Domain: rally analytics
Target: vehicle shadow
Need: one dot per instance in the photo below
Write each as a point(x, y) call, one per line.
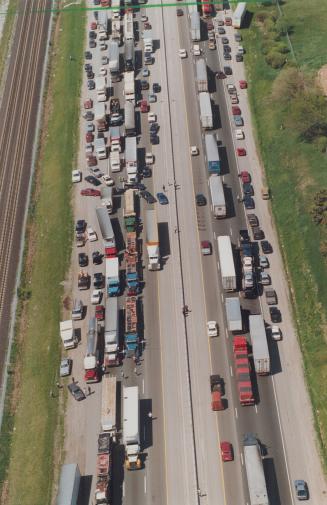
point(118, 459)
point(164, 241)
point(84, 490)
point(271, 481)
point(146, 431)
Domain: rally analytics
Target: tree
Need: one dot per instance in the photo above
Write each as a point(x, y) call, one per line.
point(275, 59)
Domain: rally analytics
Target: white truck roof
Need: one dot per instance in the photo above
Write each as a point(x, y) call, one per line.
point(259, 342)
point(151, 227)
point(112, 267)
point(226, 259)
point(254, 471)
point(216, 190)
point(131, 414)
point(234, 315)
point(130, 150)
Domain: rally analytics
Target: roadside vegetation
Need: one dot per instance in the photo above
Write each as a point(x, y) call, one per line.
point(6, 32)
point(32, 416)
point(286, 77)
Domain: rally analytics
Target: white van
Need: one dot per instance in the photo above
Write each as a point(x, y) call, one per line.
point(77, 310)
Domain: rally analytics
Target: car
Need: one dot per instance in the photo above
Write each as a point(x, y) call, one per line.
point(104, 60)
point(228, 70)
point(301, 490)
point(146, 172)
point(226, 450)
point(200, 199)
point(194, 150)
point(236, 111)
point(145, 73)
point(211, 36)
point(97, 258)
point(263, 261)
point(92, 35)
point(102, 72)
point(154, 127)
point(196, 50)
point(144, 106)
point(83, 259)
point(89, 127)
point(234, 99)
point(179, 12)
point(162, 199)
point(241, 151)
point(107, 180)
point(227, 56)
point(224, 40)
point(144, 18)
point(210, 26)
point(265, 279)
point(89, 137)
point(276, 334)
point(147, 196)
point(149, 158)
point(237, 37)
point(152, 118)
point(247, 189)
point(76, 391)
point(80, 226)
point(265, 193)
point(206, 248)
point(212, 329)
point(92, 180)
point(65, 367)
point(227, 49)
point(93, 25)
point(90, 74)
point(220, 75)
point(92, 236)
point(76, 176)
point(92, 44)
point(148, 60)
point(182, 53)
point(253, 220)
point(88, 115)
point(99, 312)
point(228, 21)
point(231, 89)
point(244, 236)
point(247, 263)
point(275, 315)
point(239, 57)
point(238, 120)
point(211, 45)
point(96, 296)
point(103, 46)
point(90, 84)
point(221, 30)
point(88, 55)
point(88, 103)
point(266, 247)
point(154, 140)
point(96, 172)
point(147, 26)
point(220, 22)
point(89, 148)
point(248, 202)
point(156, 88)
point(258, 233)
point(88, 67)
point(152, 98)
point(90, 192)
point(239, 134)
point(98, 280)
point(243, 84)
point(248, 281)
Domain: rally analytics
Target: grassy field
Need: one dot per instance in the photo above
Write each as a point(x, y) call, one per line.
point(30, 474)
point(6, 33)
point(295, 171)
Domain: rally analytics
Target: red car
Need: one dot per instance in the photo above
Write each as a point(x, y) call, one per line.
point(147, 26)
point(241, 151)
point(228, 21)
point(226, 450)
point(90, 192)
point(91, 161)
point(89, 137)
point(245, 177)
point(144, 106)
point(88, 104)
point(243, 84)
point(210, 26)
point(99, 312)
point(93, 25)
point(236, 111)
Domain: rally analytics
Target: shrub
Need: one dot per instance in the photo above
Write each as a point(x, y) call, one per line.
point(275, 59)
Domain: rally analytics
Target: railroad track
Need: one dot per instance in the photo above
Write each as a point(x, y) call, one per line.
point(18, 111)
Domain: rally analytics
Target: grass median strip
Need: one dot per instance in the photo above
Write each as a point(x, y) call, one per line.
point(32, 454)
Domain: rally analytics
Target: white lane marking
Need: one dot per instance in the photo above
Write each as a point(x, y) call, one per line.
point(231, 371)
point(236, 413)
point(143, 385)
point(218, 266)
point(223, 178)
point(231, 231)
point(123, 488)
point(222, 297)
point(145, 484)
point(214, 235)
point(227, 334)
point(242, 462)
point(256, 409)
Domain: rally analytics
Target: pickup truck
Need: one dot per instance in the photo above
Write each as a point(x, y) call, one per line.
point(271, 297)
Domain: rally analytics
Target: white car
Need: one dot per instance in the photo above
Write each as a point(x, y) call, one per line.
point(247, 264)
point(152, 118)
point(92, 236)
point(103, 46)
point(107, 180)
point(212, 329)
point(263, 262)
point(248, 280)
point(76, 176)
point(194, 151)
point(239, 134)
point(96, 296)
point(144, 18)
point(149, 159)
point(89, 148)
point(196, 50)
point(265, 279)
point(102, 72)
point(115, 164)
point(182, 53)
point(276, 334)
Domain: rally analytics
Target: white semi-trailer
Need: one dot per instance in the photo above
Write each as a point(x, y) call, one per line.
point(254, 471)
point(152, 240)
point(131, 427)
point(260, 349)
point(226, 262)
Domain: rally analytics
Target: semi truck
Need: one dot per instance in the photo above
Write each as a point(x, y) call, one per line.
point(112, 276)
point(91, 364)
point(131, 159)
point(113, 54)
point(129, 210)
point(260, 349)
point(106, 198)
point(131, 424)
point(195, 26)
point(213, 158)
point(101, 89)
point(226, 262)
point(217, 196)
point(201, 75)
point(108, 404)
point(115, 4)
point(103, 20)
point(100, 148)
point(152, 240)
point(103, 470)
point(67, 334)
point(217, 392)
point(129, 86)
point(69, 483)
point(111, 334)
point(129, 118)
point(100, 116)
point(131, 274)
point(128, 26)
point(239, 14)
point(148, 41)
point(254, 471)
point(205, 111)
point(131, 324)
point(115, 30)
point(243, 371)
point(107, 233)
point(234, 315)
point(114, 161)
point(129, 55)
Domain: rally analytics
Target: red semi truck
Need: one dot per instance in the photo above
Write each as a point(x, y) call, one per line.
point(217, 392)
point(243, 370)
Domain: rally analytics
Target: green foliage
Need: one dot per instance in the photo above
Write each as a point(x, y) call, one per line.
point(275, 59)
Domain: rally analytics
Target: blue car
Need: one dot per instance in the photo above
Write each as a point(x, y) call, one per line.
point(248, 202)
point(162, 199)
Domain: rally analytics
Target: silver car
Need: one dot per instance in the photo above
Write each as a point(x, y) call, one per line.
point(66, 367)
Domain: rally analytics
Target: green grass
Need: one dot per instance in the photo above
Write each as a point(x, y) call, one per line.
point(6, 34)
point(31, 467)
point(295, 171)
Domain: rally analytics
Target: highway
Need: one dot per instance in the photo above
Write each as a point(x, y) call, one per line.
point(19, 112)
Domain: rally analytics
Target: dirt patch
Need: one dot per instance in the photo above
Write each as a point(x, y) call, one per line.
point(322, 79)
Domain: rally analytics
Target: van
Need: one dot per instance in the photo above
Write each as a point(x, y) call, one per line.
point(77, 310)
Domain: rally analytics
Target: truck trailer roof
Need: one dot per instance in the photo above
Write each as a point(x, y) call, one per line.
point(226, 258)
point(131, 414)
point(151, 227)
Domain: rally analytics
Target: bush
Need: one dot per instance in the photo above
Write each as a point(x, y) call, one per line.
point(282, 48)
point(321, 143)
point(287, 84)
point(275, 59)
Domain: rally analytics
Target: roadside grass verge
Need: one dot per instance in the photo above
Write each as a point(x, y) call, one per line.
point(295, 171)
point(33, 456)
point(6, 33)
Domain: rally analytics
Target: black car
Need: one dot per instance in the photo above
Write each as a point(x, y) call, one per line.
point(92, 35)
point(154, 127)
point(244, 237)
point(90, 84)
point(200, 199)
point(92, 180)
point(250, 293)
point(139, 186)
point(80, 226)
point(239, 57)
point(92, 44)
point(98, 280)
point(266, 247)
point(227, 56)
point(248, 189)
point(275, 315)
point(154, 139)
point(228, 70)
point(96, 2)
point(146, 172)
point(156, 88)
point(83, 260)
point(76, 391)
point(88, 67)
point(179, 12)
point(221, 30)
point(147, 196)
point(258, 234)
point(227, 49)
point(144, 85)
point(88, 55)
point(248, 202)
point(224, 40)
point(97, 258)
point(89, 74)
